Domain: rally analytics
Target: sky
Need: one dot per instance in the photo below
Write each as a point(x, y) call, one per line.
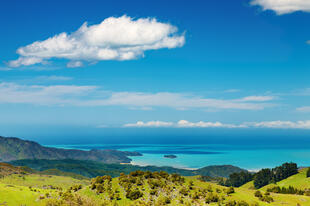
point(76, 69)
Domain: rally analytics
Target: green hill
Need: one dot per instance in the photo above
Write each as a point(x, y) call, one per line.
point(137, 188)
point(298, 181)
point(15, 149)
point(93, 169)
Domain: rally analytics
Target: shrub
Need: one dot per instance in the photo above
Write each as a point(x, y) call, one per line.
point(230, 190)
point(134, 195)
point(212, 198)
point(258, 194)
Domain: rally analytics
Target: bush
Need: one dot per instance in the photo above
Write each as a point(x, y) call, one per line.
point(212, 198)
point(258, 194)
point(230, 190)
point(266, 198)
point(134, 195)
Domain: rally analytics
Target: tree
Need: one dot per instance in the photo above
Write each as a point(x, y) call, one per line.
point(262, 178)
point(308, 172)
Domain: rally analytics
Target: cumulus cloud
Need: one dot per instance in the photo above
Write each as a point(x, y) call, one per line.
point(202, 124)
point(150, 124)
point(95, 96)
point(180, 124)
point(115, 38)
point(283, 6)
point(281, 124)
point(303, 109)
point(25, 61)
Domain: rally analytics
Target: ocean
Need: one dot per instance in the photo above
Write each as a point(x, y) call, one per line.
point(251, 157)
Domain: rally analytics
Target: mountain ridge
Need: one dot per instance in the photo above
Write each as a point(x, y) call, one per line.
point(13, 148)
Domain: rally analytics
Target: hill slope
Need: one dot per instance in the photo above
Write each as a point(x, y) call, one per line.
point(93, 169)
point(15, 149)
point(138, 188)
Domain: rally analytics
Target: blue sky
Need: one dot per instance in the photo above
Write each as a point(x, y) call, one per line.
point(236, 65)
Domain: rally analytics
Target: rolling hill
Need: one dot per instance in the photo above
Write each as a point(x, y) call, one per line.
point(92, 169)
point(15, 149)
point(136, 188)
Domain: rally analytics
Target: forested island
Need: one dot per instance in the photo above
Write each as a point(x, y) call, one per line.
point(170, 156)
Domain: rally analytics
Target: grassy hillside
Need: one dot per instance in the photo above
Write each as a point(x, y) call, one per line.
point(15, 149)
point(299, 180)
point(138, 188)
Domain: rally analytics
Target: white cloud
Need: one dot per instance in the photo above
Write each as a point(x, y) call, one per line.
point(95, 96)
point(303, 109)
point(202, 124)
point(122, 38)
point(185, 123)
point(43, 95)
point(150, 124)
point(283, 6)
point(74, 64)
point(53, 78)
point(176, 100)
point(256, 99)
point(25, 61)
point(281, 124)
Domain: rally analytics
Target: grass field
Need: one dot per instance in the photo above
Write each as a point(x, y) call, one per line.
point(31, 189)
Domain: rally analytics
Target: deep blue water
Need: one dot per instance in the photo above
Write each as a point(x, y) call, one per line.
point(248, 156)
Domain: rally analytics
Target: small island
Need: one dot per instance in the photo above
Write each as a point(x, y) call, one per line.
point(170, 156)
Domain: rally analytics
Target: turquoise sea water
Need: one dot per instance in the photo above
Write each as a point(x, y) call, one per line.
point(251, 157)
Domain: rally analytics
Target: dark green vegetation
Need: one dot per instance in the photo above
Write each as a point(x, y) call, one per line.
point(308, 172)
point(237, 179)
point(288, 190)
point(262, 177)
point(265, 198)
point(93, 169)
point(267, 176)
point(15, 149)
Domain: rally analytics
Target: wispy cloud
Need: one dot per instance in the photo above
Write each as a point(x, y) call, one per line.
point(256, 99)
point(232, 90)
point(283, 6)
point(74, 64)
point(53, 78)
point(303, 92)
point(122, 38)
point(202, 124)
point(95, 96)
point(303, 109)
point(5, 69)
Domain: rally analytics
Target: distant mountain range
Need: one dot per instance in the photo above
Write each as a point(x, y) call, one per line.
point(15, 149)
